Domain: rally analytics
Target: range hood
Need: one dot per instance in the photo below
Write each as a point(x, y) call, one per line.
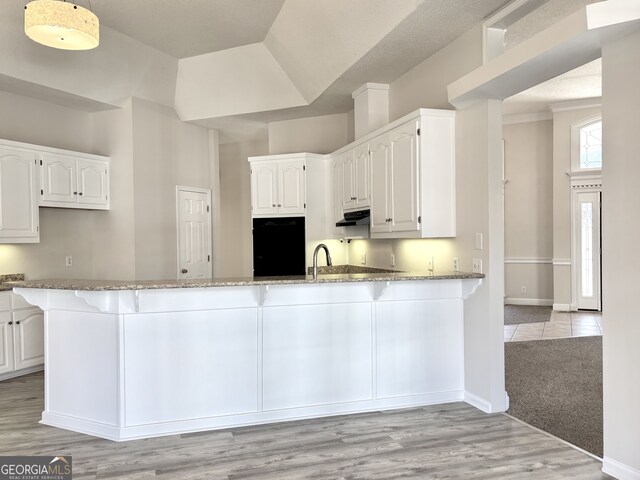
point(359, 217)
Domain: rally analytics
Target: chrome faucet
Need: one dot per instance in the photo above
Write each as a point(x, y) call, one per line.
point(315, 259)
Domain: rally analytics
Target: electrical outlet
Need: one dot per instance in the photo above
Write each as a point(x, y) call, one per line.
point(477, 265)
point(523, 290)
point(430, 264)
point(392, 260)
point(456, 265)
point(363, 258)
point(68, 261)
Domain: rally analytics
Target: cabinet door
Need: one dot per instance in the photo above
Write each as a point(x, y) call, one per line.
point(336, 200)
point(362, 176)
point(404, 178)
point(28, 334)
point(93, 183)
point(348, 180)
point(264, 181)
point(58, 178)
point(291, 188)
point(380, 184)
point(18, 199)
point(6, 342)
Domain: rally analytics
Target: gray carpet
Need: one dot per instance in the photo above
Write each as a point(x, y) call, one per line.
point(514, 314)
point(556, 385)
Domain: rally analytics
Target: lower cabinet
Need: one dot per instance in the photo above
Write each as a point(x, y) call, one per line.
point(21, 337)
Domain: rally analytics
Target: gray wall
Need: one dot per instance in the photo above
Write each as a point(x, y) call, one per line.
point(151, 152)
point(528, 158)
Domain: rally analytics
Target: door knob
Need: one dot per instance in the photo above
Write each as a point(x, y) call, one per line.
point(10, 323)
point(184, 270)
point(17, 322)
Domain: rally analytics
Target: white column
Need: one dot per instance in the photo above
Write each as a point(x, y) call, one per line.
point(620, 261)
point(479, 211)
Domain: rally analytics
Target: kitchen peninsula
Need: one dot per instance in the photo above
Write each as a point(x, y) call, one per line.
point(128, 360)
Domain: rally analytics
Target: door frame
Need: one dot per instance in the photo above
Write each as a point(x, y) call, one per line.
point(207, 191)
point(583, 184)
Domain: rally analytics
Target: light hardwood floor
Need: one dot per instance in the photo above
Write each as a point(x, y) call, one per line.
point(444, 441)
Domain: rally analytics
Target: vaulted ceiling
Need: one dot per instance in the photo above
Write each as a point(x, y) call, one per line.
point(237, 63)
point(216, 61)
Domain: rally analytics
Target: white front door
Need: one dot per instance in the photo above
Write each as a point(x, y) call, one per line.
point(194, 232)
point(587, 249)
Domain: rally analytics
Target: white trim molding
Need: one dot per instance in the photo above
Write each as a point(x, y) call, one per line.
point(562, 262)
point(478, 402)
point(541, 302)
point(526, 117)
point(562, 307)
point(528, 260)
point(579, 104)
point(619, 470)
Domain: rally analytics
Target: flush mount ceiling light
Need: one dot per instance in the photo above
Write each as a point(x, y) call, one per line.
point(58, 24)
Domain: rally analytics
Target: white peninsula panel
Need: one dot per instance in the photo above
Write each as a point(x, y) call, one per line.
point(316, 355)
point(143, 359)
point(168, 355)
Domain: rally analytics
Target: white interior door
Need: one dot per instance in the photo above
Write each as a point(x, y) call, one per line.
point(193, 207)
point(587, 250)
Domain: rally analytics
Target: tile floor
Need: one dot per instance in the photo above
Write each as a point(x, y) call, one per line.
point(561, 325)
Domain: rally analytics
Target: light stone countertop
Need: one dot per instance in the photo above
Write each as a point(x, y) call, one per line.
point(10, 277)
point(106, 285)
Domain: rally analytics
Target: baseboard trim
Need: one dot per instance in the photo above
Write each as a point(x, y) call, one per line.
point(562, 307)
point(619, 470)
point(542, 302)
point(163, 428)
point(478, 402)
point(19, 373)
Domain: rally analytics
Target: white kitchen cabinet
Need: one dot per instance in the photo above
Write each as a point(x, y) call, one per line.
point(413, 178)
point(355, 178)
point(336, 196)
point(19, 220)
point(380, 175)
point(395, 207)
point(71, 180)
point(21, 336)
point(277, 186)
point(6, 343)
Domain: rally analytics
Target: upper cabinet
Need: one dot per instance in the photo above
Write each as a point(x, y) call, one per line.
point(405, 173)
point(413, 178)
point(33, 176)
point(74, 181)
point(356, 190)
point(18, 199)
point(278, 186)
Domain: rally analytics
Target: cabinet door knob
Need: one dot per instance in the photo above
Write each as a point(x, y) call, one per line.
point(10, 323)
point(273, 205)
point(80, 193)
point(17, 322)
point(279, 205)
point(75, 193)
point(184, 270)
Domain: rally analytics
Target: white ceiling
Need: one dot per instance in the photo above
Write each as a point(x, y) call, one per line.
point(583, 82)
point(185, 28)
point(322, 47)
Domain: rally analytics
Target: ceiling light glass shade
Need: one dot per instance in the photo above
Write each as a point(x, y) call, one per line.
point(61, 25)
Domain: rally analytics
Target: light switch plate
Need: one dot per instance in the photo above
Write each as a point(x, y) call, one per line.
point(477, 265)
